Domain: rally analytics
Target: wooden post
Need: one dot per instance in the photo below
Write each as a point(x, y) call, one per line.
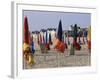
point(72, 50)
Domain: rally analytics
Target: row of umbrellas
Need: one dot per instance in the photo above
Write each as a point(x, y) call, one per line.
point(47, 38)
point(59, 43)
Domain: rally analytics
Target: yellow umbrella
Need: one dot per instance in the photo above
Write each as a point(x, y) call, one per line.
point(89, 38)
point(89, 33)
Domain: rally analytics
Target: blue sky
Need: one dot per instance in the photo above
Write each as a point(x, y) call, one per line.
point(44, 19)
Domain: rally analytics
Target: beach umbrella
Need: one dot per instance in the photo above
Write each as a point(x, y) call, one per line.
point(59, 34)
point(50, 42)
point(42, 35)
point(89, 38)
point(40, 38)
point(79, 35)
point(46, 37)
point(83, 38)
point(47, 41)
point(43, 39)
point(59, 44)
point(79, 39)
point(26, 45)
point(63, 37)
point(68, 38)
point(32, 45)
point(65, 42)
point(75, 34)
point(26, 31)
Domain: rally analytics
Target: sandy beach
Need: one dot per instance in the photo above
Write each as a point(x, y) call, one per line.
point(54, 59)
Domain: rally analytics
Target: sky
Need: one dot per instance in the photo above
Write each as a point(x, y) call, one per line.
point(38, 20)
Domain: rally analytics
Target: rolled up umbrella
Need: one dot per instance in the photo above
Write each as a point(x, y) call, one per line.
point(50, 41)
point(79, 40)
point(40, 39)
point(26, 31)
point(59, 44)
point(89, 38)
point(68, 39)
point(75, 34)
point(76, 45)
point(47, 41)
point(32, 45)
point(26, 45)
point(59, 34)
point(46, 37)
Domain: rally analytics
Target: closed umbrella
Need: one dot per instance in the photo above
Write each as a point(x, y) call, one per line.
point(59, 34)
point(59, 43)
point(26, 45)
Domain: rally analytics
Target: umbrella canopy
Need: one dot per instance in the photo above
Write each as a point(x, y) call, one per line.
point(59, 43)
point(75, 33)
point(46, 37)
point(26, 46)
point(40, 39)
point(59, 33)
point(26, 31)
point(89, 38)
point(50, 38)
point(89, 33)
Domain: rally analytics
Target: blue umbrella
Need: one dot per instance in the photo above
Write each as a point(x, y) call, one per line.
point(32, 45)
point(59, 33)
point(50, 39)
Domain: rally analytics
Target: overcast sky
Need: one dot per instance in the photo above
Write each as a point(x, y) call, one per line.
point(44, 19)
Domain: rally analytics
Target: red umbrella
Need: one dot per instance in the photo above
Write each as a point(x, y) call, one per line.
point(26, 31)
point(26, 39)
point(28, 57)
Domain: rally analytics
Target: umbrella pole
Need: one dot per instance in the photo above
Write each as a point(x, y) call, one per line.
point(58, 60)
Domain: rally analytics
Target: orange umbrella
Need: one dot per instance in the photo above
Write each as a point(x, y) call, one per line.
point(89, 38)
